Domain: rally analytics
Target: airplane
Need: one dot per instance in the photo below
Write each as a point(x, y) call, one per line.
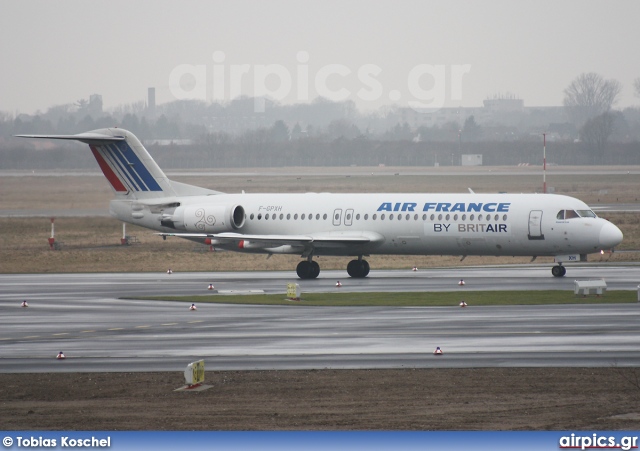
point(356, 225)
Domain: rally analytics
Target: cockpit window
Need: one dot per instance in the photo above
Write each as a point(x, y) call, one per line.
point(569, 214)
point(586, 214)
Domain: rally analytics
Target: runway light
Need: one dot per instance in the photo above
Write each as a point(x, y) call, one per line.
point(169, 271)
point(338, 284)
point(438, 351)
point(463, 304)
point(415, 268)
point(60, 356)
point(210, 286)
point(193, 307)
point(24, 304)
point(461, 283)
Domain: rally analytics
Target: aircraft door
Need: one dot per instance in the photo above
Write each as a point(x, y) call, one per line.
point(337, 216)
point(348, 217)
point(535, 225)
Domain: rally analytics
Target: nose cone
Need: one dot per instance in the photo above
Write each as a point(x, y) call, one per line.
point(610, 236)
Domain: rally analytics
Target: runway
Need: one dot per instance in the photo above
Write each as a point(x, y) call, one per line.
point(82, 315)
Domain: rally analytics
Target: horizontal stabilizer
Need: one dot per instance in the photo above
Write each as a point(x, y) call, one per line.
point(82, 137)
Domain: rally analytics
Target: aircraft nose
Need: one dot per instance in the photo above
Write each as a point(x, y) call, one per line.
point(610, 236)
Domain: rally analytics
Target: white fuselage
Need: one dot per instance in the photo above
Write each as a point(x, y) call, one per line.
point(409, 223)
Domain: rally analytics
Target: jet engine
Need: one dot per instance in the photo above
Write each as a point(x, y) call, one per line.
point(207, 218)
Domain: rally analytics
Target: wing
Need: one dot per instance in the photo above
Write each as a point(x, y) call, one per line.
point(319, 241)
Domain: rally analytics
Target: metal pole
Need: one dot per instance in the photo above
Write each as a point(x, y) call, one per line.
point(544, 163)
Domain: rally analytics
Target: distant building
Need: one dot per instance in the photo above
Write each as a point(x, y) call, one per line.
point(504, 104)
point(471, 160)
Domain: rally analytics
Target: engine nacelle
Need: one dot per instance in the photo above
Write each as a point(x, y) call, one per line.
point(209, 218)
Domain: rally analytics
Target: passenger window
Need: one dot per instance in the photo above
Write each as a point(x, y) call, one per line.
point(302, 216)
point(390, 216)
point(251, 217)
point(288, 216)
point(374, 217)
point(281, 216)
point(324, 216)
point(366, 217)
point(382, 217)
point(295, 216)
point(260, 216)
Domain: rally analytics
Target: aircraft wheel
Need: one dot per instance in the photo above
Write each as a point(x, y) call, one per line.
point(308, 269)
point(366, 268)
point(315, 269)
point(358, 268)
point(303, 269)
point(558, 271)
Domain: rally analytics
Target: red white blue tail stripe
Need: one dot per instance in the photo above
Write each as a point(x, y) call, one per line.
point(123, 168)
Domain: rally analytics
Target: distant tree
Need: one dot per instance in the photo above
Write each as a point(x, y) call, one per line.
point(636, 86)
point(279, 131)
point(296, 131)
point(425, 133)
point(342, 128)
point(596, 132)
point(399, 133)
point(471, 131)
point(590, 95)
point(87, 123)
point(131, 122)
point(83, 107)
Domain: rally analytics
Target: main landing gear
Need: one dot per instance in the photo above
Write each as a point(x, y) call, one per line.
point(358, 268)
point(308, 269)
point(558, 271)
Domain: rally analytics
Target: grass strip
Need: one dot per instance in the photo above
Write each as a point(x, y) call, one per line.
point(412, 299)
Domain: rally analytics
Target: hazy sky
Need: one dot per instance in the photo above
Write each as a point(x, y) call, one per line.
point(372, 52)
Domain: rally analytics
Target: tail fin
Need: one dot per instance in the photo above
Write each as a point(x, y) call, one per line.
point(127, 165)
